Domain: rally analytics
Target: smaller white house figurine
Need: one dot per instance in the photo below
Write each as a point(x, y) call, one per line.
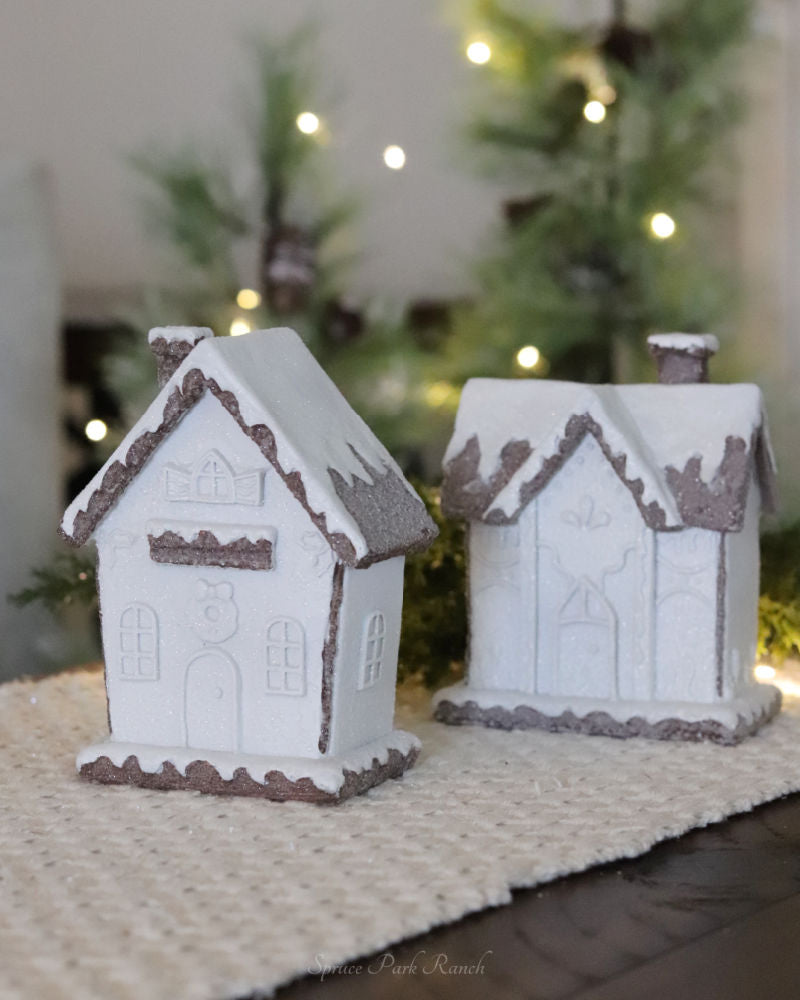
point(251, 534)
point(613, 552)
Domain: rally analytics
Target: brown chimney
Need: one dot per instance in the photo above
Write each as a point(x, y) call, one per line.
point(171, 344)
point(682, 357)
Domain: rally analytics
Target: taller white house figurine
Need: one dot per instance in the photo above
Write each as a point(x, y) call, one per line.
point(613, 552)
point(251, 534)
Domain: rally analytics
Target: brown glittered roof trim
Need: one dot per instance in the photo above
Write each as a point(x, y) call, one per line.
point(718, 505)
point(390, 492)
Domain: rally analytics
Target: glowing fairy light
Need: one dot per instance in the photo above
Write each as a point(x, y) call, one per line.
point(239, 327)
point(96, 430)
point(248, 298)
point(662, 225)
point(307, 122)
point(764, 672)
point(394, 157)
point(479, 53)
point(594, 112)
point(528, 357)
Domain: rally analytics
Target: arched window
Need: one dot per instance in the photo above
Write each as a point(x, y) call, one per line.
point(286, 657)
point(372, 649)
point(213, 479)
point(138, 643)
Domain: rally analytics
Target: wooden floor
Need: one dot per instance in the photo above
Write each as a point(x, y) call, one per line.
point(714, 914)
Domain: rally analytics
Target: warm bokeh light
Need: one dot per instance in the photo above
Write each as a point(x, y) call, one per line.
point(239, 327)
point(307, 122)
point(438, 393)
point(478, 53)
point(248, 298)
point(604, 93)
point(764, 672)
point(96, 430)
point(394, 157)
point(595, 112)
point(662, 225)
point(528, 357)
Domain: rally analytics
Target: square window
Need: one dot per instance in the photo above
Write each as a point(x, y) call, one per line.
point(275, 680)
point(146, 642)
point(146, 666)
point(275, 656)
point(292, 681)
point(293, 657)
point(128, 642)
point(129, 666)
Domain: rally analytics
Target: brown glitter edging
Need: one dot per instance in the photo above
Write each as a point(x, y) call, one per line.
point(118, 475)
point(329, 656)
point(206, 550)
point(717, 506)
point(602, 724)
point(201, 776)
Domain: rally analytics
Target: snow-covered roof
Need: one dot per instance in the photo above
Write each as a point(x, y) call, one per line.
point(686, 452)
point(271, 384)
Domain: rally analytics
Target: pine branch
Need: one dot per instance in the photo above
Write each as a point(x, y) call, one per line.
point(69, 579)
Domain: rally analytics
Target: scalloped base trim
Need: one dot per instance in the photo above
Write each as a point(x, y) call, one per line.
point(201, 775)
point(456, 708)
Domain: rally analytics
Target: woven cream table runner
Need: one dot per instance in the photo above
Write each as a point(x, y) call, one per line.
point(120, 893)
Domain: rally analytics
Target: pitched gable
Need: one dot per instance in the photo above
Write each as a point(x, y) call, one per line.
point(685, 452)
point(279, 396)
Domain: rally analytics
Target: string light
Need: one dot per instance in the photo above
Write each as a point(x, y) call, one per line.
point(479, 53)
point(438, 393)
point(307, 122)
point(594, 112)
point(248, 298)
point(764, 672)
point(240, 326)
point(394, 157)
point(662, 225)
point(96, 430)
point(528, 357)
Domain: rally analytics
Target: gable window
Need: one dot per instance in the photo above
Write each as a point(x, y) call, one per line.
point(138, 643)
point(286, 657)
point(214, 480)
point(372, 649)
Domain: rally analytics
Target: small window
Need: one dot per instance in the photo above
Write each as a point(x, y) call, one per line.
point(138, 643)
point(374, 645)
point(286, 657)
point(213, 480)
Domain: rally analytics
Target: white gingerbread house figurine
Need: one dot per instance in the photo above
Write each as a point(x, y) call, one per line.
point(613, 552)
point(251, 534)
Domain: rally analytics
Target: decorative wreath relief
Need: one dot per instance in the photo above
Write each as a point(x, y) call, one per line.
point(212, 612)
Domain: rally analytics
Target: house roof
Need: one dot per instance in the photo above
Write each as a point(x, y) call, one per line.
point(686, 452)
point(270, 383)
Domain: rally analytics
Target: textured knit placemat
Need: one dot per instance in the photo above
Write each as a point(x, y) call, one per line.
point(117, 892)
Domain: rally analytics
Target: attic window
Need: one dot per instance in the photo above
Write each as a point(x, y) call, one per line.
point(212, 480)
point(232, 546)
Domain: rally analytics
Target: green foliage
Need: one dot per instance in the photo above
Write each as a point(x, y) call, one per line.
point(434, 631)
point(779, 606)
point(69, 579)
point(578, 271)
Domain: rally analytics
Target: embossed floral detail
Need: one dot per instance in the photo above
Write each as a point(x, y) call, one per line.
point(586, 517)
point(320, 550)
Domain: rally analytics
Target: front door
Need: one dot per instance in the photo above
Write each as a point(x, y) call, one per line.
point(212, 702)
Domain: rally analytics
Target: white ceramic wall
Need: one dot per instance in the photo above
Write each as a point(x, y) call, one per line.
point(741, 604)
point(361, 714)
point(299, 587)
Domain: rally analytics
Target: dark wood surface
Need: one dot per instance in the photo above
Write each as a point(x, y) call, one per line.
point(713, 914)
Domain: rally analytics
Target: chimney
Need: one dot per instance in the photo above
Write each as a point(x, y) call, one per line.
point(682, 358)
point(171, 344)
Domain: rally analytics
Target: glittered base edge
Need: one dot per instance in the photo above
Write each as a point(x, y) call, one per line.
point(202, 776)
point(597, 723)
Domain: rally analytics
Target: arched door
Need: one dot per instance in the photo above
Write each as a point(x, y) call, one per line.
point(587, 644)
point(212, 702)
